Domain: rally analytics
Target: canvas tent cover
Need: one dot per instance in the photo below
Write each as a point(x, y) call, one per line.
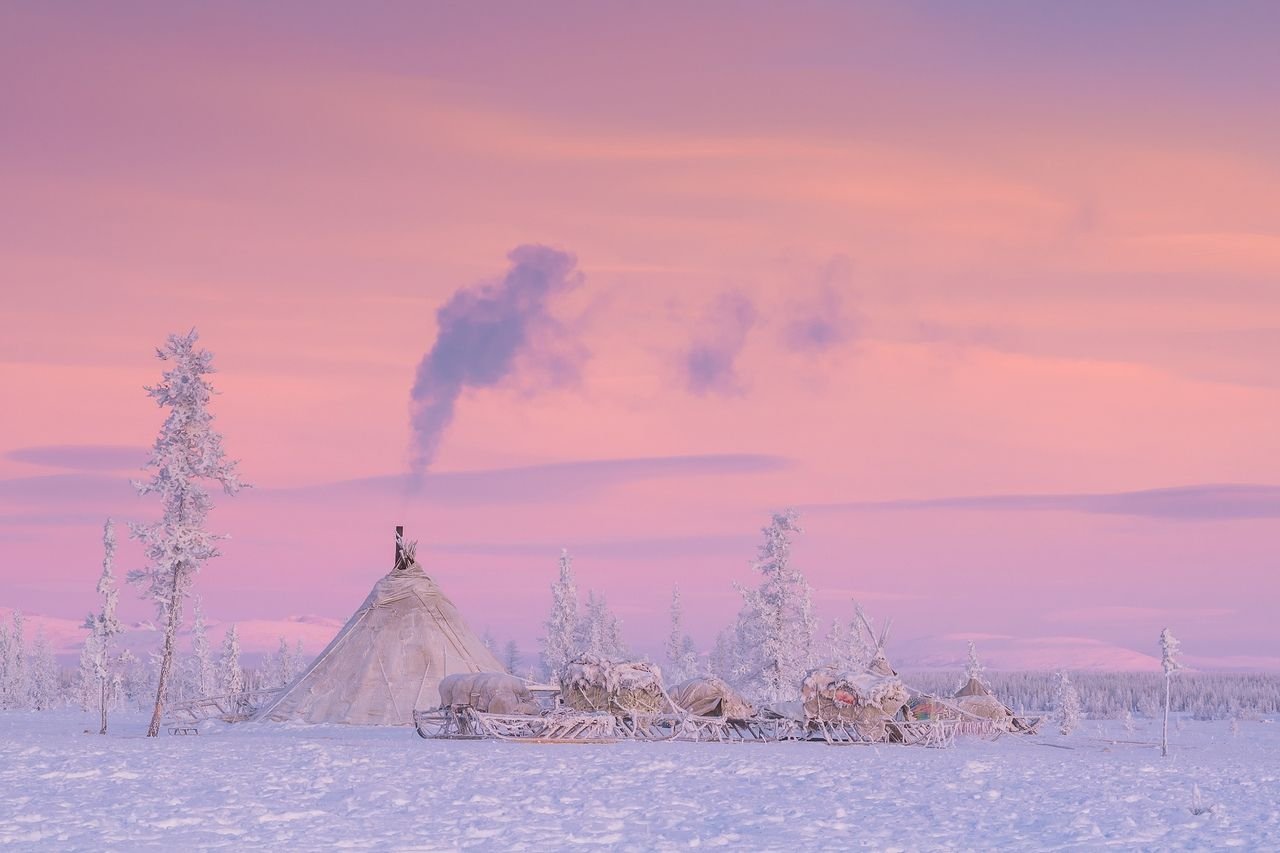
point(708, 696)
point(828, 694)
point(974, 698)
point(488, 692)
point(388, 659)
point(593, 683)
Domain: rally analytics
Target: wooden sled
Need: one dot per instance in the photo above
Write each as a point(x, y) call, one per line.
point(184, 718)
point(693, 728)
point(462, 722)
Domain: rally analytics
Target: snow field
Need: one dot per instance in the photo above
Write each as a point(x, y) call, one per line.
point(324, 787)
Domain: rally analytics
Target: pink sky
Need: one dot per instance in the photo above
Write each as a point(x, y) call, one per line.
point(1007, 272)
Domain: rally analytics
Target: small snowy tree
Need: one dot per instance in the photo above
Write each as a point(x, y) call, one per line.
point(682, 656)
point(14, 687)
point(599, 630)
point(723, 658)
point(87, 676)
point(229, 668)
point(104, 627)
point(204, 673)
point(974, 670)
point(775, 628)
point(187, 451)
point(1169, 663)
point(43, 682)
point(558, 646)
point(279, 669)
point(489, 641)
point(511, 657)
point(6, 651)
point(1068, 704)
point(1126, 720)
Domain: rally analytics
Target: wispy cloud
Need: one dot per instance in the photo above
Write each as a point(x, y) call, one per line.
point(852, 595)
point(1206, 502)
point(60, 489)
point(549, 482)
point(644, 548)
point(82, 457)
point(1124, 614)
point(710, 362)
point(553, 481)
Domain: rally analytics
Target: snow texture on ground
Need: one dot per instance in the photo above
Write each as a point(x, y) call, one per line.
point(287, 787)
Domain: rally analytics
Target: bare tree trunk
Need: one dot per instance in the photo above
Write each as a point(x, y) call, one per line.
point(102, 704)
point(1164, 738)
point(166, 655)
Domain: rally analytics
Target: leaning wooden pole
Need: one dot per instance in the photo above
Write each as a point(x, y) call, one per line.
point(399, 564)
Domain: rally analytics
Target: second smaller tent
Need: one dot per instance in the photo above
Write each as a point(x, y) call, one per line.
point(708, 696)
point(487, 692)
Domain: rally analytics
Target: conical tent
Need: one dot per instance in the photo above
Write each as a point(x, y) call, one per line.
point(388, 659)
point(973, 687)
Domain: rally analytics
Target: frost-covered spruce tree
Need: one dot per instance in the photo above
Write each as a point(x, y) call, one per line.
point(846, 648)
point(204, 674)
point(87, 677)
point(1068, 701)
point(14, 690)
point(1169, 663)
point(723, 658)
point(44, 689)
point(104, 627)
point(776, 625)
point(974, 670)
point(682, 655)
point(1126, 719)
point(560, 644)
point(229, 668)
point(6, 653)
point(187, 451)
point(511, 656)
point(281, 668)
point(599, 630)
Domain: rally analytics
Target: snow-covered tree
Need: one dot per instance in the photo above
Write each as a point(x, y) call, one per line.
point(104, 627)
point(559, 645)
point(229, 669)
point(599, 630)
point(14, 688)
point(5, 652)
point(1169, 663)
point(974, 670)
point(1068, 702)
point(279, 668)
point(511, 656)
point(87, 677)
point(723, 657)
point(775, 628)
point(204, 675)
point(846, 648)
point(43, 690)
point(682, 655)
point(489, 641)
point(187, 451)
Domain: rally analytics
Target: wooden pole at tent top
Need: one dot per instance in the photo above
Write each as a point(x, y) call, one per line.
point(399, 547)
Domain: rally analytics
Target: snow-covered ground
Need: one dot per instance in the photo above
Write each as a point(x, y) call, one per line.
point(321, 787)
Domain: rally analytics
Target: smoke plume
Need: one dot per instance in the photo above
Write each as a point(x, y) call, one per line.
point(482, 333)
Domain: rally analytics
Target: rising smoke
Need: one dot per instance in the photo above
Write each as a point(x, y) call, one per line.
point(483, 332)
